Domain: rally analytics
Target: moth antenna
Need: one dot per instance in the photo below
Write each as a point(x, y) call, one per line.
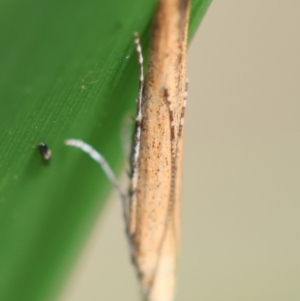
point(183, 108)
point(138, 120)
point(96, 156)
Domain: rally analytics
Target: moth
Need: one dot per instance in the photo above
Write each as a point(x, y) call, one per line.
point(152, 206)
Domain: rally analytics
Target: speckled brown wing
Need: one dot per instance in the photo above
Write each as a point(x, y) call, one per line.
point(154, 206)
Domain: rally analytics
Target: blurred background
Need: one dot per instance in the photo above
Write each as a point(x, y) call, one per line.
point(241, 174)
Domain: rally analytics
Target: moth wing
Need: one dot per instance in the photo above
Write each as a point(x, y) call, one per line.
point(154, 218)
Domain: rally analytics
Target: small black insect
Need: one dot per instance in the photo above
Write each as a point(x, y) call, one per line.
point(45, 151)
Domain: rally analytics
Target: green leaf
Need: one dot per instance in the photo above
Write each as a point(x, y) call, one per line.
point(68, 70)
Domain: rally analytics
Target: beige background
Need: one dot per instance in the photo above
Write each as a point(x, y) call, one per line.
point(241, 195)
